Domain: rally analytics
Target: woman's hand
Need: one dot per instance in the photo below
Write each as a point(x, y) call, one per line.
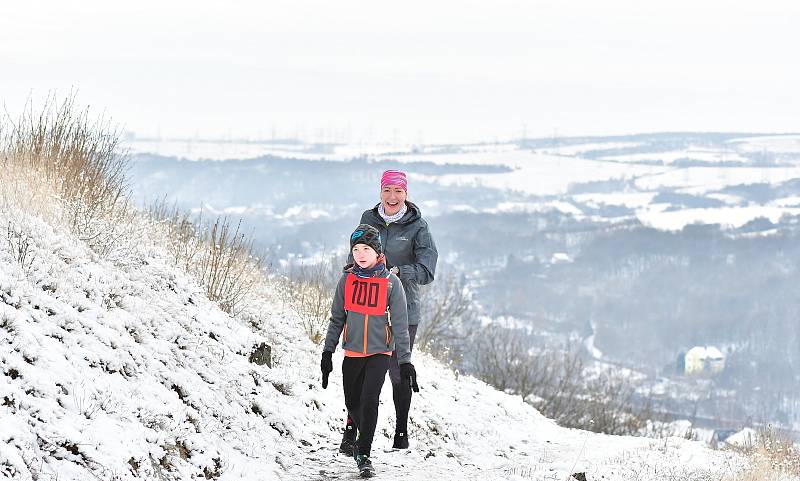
point(408, 375)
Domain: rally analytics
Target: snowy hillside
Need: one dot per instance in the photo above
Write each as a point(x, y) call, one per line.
point(124, 370)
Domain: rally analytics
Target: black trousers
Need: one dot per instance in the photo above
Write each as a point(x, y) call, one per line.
point(401, 394)
point(363, 379)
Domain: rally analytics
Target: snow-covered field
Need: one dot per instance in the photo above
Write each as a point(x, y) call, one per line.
point(770, 143)
point(692, 153)
point(537, 174)
point(698, 180)
point(725, 216)
point(120, 368)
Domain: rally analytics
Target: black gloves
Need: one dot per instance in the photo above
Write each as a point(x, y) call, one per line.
point(327, 366)
point(408, 376)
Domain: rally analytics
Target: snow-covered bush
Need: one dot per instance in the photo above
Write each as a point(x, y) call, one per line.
point(19, 242)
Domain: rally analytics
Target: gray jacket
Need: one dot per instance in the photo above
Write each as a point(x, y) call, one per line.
point(356, 328)
point(408, 244)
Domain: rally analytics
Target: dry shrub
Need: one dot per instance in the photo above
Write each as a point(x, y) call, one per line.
point(609, 405)
point(227, 268)
point(219, 255)
point(59, 151)
point(773, 457)
point(308, 291)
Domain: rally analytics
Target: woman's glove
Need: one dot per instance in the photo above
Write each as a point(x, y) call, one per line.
point(408, 375)
point(327, 366)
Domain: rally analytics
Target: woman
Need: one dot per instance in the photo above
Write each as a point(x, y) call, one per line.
point(411, 255)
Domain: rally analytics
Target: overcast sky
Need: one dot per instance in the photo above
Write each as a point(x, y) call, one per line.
point(413, 71)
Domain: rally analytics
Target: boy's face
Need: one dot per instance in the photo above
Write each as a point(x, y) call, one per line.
point(365, 256)
point(393, 197)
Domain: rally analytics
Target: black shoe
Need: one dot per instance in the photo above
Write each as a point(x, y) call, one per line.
point(365, 466)
point(348, 440)
point(400, 441)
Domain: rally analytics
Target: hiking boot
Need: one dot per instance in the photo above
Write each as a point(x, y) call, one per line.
point(365, 468)
point(348, 440)
point(400, 440)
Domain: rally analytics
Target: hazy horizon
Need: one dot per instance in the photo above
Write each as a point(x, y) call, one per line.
point(441, 73)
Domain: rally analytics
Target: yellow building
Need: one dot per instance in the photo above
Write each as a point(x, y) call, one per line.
point(704, 360)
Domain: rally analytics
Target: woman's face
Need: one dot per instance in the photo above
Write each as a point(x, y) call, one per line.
point(364, 255)
point(393, 197)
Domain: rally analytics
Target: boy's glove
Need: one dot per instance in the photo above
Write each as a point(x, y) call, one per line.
point(327, 366)
point(408, 375)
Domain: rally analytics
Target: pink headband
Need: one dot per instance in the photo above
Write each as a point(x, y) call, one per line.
point(394, 177)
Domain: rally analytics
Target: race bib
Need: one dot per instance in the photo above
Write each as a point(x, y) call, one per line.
point(366, 296)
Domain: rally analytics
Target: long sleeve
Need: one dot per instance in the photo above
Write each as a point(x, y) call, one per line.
point(426, 255)
point(399, 313)
point(338, 317)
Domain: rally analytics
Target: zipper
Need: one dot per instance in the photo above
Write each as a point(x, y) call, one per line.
point(386, 236)
point(366, 326)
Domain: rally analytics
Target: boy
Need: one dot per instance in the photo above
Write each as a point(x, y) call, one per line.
point(369, 312)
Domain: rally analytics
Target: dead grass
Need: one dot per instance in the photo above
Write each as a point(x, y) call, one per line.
point(772, 457)
point(60, 151)
point(218, 254)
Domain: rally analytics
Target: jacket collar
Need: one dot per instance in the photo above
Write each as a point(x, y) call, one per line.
point(412, 214)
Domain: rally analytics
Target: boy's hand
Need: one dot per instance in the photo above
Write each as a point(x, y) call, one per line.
point(327, 366)
point(408, 375)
